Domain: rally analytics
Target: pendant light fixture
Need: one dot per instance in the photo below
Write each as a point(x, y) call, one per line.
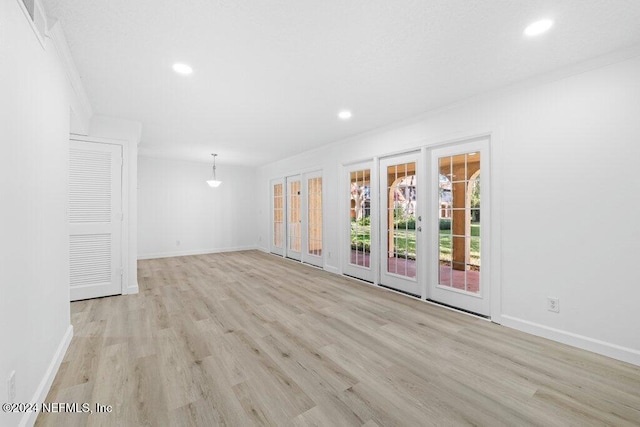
point(213, 182)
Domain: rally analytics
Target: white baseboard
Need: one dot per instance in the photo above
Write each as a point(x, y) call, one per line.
point(40, 395)
point(132, 289)
point(194, 252)
point(614, 351)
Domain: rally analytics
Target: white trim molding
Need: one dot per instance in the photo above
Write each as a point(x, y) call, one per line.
point(132, 289)
point(615, 351)
point(29, 418)
point(38, 14)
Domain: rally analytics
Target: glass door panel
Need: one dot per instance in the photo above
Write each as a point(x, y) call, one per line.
point(459, 190)
point(294, 218)
point(315, 216)
point(313, 254)
point(360, 218)
point(277, 241)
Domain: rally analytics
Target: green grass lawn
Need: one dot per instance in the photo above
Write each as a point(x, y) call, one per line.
point(360, 237)
point(405, 242)
point(474, 250)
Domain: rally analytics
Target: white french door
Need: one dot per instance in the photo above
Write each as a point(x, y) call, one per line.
point(400, 223)
point(312, 235)
point(95, 219)
point(294, 217)
point(278, 206)
point(460, 226)
point(360, 254)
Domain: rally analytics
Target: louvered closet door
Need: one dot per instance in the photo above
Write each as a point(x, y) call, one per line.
point(95, 219)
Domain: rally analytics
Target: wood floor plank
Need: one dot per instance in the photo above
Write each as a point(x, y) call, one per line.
point(316, 376)
point(248, 338)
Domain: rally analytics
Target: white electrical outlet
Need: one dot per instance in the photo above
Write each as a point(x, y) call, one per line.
point(11, 387)
point(553, 304)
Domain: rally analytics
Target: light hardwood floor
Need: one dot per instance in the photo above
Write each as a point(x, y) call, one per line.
point(248, 338)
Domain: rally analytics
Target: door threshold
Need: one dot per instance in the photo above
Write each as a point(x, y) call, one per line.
point(473, 313)
point(368, 282)
point(400, 291)
point(312, 265)
point(430, 301)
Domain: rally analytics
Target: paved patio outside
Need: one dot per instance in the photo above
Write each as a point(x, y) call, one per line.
point(407, 267)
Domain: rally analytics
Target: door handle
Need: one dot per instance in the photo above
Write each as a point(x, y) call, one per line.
point(419, 228)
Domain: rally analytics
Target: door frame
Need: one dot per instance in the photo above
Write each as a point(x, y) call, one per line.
point(488, 288)
point(394, 281)
point(370, 274)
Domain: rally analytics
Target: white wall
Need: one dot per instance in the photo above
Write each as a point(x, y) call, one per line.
point(34, 135)
point(179, 214)
point(566, 199)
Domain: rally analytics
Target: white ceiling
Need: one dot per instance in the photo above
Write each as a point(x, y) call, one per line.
point(270, 76)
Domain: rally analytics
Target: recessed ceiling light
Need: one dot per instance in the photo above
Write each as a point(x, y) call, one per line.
point(344, 115)
point(182, 69)
point(538, 27)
